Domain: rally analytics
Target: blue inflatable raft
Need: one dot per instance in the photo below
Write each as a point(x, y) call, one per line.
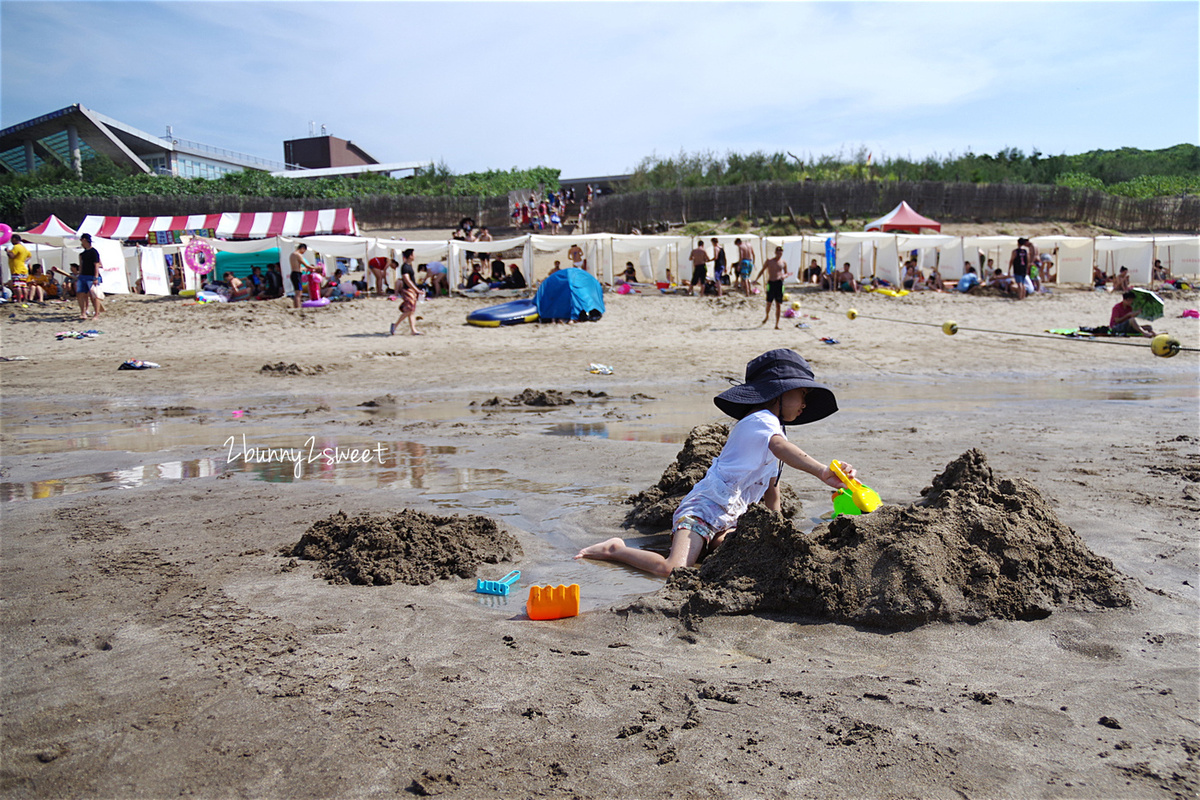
point(511, 313)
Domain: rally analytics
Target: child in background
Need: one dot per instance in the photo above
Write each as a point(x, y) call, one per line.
point(779, 390)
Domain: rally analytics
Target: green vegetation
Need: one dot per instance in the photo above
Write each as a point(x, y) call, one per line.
point(102, 178)
point(1128, 172)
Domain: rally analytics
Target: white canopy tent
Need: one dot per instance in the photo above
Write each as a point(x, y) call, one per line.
point(655, 255)
point(997, 248)
point(1134, 252)
point(1179, 254)
point(1072, 258)
point(934, 250)
point(459, 249)
point(798, 252)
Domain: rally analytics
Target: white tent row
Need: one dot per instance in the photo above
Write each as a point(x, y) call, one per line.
point(869, 254)
point(880, 254)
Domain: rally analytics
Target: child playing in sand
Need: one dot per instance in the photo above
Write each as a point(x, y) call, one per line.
point(779, 390)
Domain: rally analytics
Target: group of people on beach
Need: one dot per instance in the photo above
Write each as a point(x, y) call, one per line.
point(549, 212)
point(32, 284)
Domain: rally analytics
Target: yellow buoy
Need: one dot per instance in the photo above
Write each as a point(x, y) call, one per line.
point(795, 305)
point(949, 327)
point(852, 313)
point(1164, 346)
point(786, 297)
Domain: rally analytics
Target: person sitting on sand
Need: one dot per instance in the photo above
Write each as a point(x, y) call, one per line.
point(780, 389)
point(475, 278)
point(1002, 282)
point(813, 272)
point(515, 279)
point(630, 273)
point(1160, 275)
point(912, 277)
point(237, 289)
point(969, 280)
point(844, 280)
point(1121, 282)
point(934, 281)
point(1099, 279)
point(1124, 317)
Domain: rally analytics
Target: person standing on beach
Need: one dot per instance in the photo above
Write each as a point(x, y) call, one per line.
point(1018, 265)
point(299, 265)
point(700, 259)
point(18, 273)
point(406, 287)
point(719, 266)
point(780, 389)
point(89, 278)
point(745, 264)
point(776, 269)
point(576, 256)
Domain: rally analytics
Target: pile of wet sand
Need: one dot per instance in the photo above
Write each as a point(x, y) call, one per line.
point(539, 398)
point(654, 507)
point(977, 546)
point(409, 547)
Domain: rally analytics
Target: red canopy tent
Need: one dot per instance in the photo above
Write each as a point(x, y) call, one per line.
point(51, 226)
point(903, 218)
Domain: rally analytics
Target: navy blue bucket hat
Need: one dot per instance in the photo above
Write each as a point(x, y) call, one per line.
point(769, 376)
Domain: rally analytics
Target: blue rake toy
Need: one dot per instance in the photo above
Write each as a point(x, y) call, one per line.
point(497, 587)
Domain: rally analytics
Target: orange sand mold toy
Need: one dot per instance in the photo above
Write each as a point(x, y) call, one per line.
point(865, 498)
point(553, 602)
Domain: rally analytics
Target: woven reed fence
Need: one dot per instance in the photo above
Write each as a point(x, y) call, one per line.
point(621, 213)
point(946, 202)
point(373, 212)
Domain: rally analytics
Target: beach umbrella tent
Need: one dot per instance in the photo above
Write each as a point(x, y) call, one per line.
point(903, 218)
point(570, 294)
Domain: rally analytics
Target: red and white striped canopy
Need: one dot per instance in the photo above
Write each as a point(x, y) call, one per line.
point(229, 225)
point(51, 226)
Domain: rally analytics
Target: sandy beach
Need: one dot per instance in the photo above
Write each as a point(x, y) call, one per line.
point(158, 642)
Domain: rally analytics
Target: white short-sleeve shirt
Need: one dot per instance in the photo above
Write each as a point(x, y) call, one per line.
point(738, 476)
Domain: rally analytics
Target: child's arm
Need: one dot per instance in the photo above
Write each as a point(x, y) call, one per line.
point(793, 456)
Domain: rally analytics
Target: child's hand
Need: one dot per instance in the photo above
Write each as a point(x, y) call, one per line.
point(832, 480)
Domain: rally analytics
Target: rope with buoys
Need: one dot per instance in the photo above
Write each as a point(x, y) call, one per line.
point(1163, 345)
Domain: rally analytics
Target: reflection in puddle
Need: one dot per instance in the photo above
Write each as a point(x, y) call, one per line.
point(408, 465)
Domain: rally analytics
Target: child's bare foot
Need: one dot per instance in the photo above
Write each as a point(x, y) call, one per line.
point(603, 550)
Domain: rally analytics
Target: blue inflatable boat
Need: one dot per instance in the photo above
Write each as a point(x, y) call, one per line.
point(511, 313)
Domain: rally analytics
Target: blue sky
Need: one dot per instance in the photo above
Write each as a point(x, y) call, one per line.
point(593, 88)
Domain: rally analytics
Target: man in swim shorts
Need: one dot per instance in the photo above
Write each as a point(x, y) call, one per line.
point(745, 264)
point(296, 259)
point(700, 259)
point(776, 269)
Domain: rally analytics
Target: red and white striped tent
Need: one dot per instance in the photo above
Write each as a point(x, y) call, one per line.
point(51, 226)
point(229, 225)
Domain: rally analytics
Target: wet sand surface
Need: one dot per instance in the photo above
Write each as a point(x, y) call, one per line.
point(156, 642)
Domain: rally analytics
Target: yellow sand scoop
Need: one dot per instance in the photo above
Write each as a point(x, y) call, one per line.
point(864, 497)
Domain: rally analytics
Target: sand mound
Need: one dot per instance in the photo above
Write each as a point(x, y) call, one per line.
point(654, 507)
point(281, 368)
point(409, 547)
point(978, 546)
